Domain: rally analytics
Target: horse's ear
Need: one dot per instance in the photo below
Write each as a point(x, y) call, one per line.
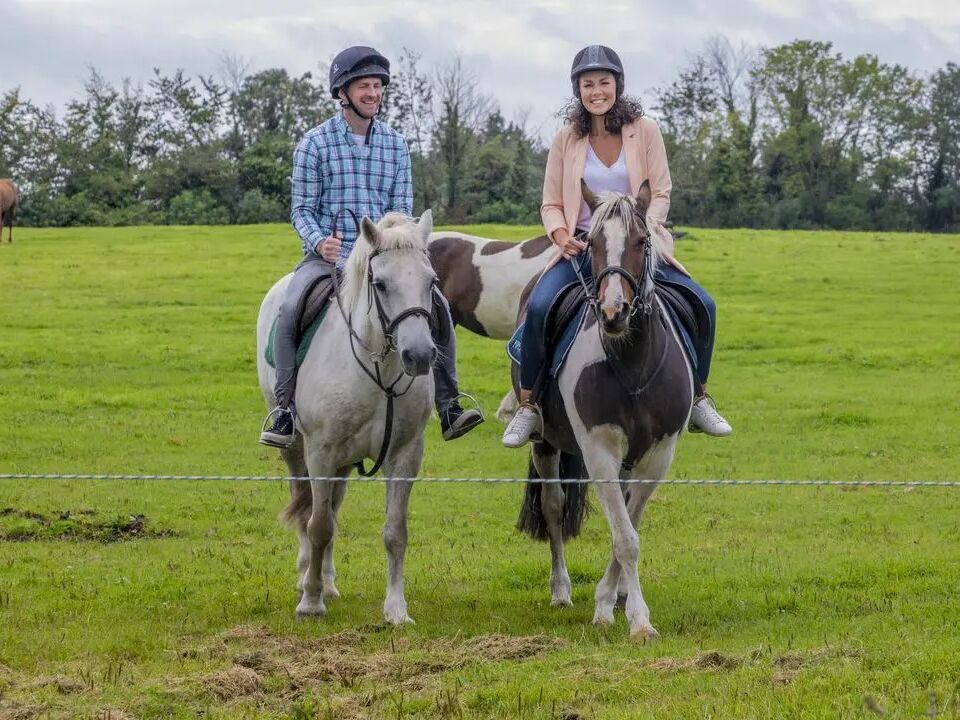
point(425, 226)
point(370, 232)
point(643, 198)
point(593, 202)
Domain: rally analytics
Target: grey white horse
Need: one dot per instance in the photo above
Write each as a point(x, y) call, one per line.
point(385, 302)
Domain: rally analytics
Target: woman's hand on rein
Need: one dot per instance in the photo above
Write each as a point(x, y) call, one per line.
point(570, 246)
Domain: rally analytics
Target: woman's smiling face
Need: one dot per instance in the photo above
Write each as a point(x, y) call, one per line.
point(598, 91)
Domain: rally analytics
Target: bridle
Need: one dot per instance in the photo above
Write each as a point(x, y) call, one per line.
point(640, 304)
point(388, 327)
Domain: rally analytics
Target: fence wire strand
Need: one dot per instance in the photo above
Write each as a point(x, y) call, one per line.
point(488, 480)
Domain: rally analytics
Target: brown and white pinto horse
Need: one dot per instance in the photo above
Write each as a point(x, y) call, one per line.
point(9, 200)
point(483, 279)
point(621, 400)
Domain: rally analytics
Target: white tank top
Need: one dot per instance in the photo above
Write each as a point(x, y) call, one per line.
point(600, 179)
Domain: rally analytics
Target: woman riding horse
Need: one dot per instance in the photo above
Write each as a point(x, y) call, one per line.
point(609, 144)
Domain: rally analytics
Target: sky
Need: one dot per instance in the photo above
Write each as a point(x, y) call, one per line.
point(520, 51)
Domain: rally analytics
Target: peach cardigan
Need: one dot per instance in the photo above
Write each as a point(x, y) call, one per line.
point(646, 159)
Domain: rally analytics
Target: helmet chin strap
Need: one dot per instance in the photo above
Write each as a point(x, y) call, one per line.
point(348, 103)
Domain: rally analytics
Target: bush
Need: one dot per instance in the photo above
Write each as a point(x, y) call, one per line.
point(255, 207)
point(196, 208)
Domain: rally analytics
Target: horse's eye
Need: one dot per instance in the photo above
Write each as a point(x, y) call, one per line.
point(379, 285)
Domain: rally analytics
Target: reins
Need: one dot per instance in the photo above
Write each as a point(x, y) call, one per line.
point(388, 327)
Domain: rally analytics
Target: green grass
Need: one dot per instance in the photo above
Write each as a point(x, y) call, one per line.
point(131, 351)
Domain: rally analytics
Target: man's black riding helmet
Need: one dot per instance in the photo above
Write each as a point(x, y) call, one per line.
point(357, 62)
point(596, 57)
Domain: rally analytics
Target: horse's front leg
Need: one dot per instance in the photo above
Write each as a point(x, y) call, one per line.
point(546, 459)
point(405, 464)
point(602, 458)
point(321, 527)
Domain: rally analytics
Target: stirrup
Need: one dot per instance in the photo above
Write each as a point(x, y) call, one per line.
point(473, 401)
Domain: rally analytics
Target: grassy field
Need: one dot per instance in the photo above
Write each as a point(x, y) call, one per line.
point(131, 351)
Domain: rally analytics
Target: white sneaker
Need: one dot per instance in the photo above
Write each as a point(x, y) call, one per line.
point(524, 424)
point(705, 418)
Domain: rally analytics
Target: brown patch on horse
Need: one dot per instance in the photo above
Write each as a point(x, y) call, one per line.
point(459, 279)
point(496, 246)
point(534, 247)
point(9, 200)
point(528, 248)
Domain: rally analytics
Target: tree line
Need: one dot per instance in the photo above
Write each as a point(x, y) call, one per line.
point(795, 136)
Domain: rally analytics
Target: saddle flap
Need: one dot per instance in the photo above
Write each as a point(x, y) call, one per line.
point(315, 302)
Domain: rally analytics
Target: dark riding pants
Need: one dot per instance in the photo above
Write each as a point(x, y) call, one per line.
point(305, 276)
point(533, 344)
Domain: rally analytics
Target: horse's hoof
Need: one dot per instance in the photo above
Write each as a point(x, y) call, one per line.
point(603, 618)
point(398, 620)
point(644, 633)
point(331, 592)
point(561, 602)
point(307, 609)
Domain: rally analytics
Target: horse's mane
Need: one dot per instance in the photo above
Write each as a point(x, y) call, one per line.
point(622, 209)
point(397, 232)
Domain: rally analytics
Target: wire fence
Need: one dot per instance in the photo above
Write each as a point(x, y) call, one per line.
point(490, 480)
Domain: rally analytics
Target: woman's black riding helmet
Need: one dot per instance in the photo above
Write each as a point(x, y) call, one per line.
point(356, 62)
point(596, 57)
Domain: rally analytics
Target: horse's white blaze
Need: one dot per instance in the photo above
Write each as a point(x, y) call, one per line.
point(613, 295)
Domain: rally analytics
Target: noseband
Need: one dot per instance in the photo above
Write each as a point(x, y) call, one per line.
point(640, 303)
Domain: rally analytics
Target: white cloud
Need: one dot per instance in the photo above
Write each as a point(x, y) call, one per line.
point(520, 50)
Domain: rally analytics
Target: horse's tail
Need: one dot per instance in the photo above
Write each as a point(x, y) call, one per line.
point(297, 511)
point(575, 504)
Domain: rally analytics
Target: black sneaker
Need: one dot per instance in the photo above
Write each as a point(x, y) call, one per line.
point(282, 433)
point(456, 421)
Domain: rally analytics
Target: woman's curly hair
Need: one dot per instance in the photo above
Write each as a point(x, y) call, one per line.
point(625, 110)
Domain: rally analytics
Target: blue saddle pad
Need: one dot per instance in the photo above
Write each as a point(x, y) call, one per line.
point(559, 353)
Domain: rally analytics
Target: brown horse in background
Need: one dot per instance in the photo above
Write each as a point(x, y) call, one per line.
point(9, 199)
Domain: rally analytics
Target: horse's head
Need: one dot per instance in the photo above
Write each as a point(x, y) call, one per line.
point(399, 283)
point(624, 256)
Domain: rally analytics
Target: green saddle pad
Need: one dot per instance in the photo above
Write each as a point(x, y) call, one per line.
point(304, 341)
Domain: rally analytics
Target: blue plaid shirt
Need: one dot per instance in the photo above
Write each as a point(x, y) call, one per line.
point(331, 172)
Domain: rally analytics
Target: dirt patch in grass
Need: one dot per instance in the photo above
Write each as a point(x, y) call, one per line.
point(63, 685)
point(12, 710)
point(709, 660)
point(234, 683)
point(19, 525)
point(352, 667)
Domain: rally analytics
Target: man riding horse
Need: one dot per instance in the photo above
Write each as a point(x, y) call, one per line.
point(351, 164)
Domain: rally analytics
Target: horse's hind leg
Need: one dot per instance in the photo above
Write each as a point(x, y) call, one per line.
point(405, 464)
point(546, 460)
point(298, 511)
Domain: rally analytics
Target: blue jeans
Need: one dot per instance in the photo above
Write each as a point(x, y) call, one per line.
point(533, 347)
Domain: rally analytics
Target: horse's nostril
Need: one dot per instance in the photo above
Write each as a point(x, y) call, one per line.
point(406, 357)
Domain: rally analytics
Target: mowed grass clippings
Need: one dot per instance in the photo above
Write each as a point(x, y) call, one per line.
point(130, 351)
